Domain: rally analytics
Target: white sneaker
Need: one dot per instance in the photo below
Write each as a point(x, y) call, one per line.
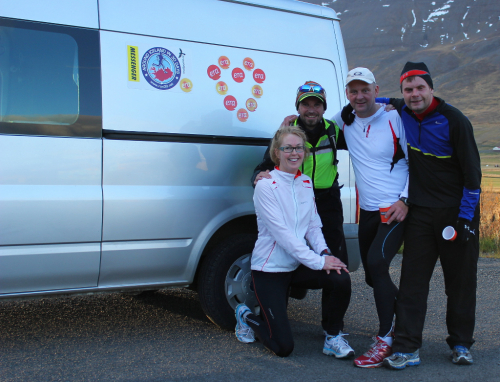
point(337, 346)
point(244, 333)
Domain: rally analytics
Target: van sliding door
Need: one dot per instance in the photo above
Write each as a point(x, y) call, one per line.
point(50, 157)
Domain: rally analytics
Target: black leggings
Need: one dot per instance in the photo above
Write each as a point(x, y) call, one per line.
point(378, 244)
point(272, 327)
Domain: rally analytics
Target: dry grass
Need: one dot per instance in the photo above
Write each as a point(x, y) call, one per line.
point(489, 229)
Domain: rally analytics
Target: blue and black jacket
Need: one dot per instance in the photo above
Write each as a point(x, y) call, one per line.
point(444, 164)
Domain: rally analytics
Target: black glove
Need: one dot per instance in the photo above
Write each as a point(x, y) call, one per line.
point(464, 230)
point(347, 115)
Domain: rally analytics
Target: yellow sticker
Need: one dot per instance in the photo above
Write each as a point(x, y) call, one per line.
point(186, 85)
point(133, 73)
point(251, 104)
point(257, 91)
point(221, 87)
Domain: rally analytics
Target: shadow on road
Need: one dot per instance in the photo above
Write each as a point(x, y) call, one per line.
point(175, 300)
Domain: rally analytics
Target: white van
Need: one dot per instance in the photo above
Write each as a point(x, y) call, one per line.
point(129, 132)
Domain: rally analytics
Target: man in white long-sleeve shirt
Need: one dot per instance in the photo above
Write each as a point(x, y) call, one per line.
point(377, 146)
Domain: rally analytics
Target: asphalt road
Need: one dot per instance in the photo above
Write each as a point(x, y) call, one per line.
point(166, 337)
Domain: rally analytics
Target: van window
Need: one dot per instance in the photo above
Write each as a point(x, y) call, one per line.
point(53, 96)
point(43, 69)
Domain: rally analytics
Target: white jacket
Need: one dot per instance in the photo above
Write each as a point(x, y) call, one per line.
point(286, 217)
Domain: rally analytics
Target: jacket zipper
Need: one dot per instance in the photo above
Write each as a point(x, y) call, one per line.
point(419, 131)
point(314, 168)
point(296, 207)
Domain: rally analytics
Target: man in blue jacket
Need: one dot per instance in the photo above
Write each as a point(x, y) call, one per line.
point(444, 188)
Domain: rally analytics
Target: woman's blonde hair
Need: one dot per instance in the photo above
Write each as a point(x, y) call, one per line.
point(278, 139)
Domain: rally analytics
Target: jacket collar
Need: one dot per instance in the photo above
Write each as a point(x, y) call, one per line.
point(438, 109)
point(287, 175)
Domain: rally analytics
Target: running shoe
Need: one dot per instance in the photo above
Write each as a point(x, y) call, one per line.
point(375, 356)
point(244, 333)
point(461, 356)
point(399, 361)
point(337, 346)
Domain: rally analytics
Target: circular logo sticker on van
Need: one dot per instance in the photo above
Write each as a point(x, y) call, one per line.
point(160, 68)
point(221, 87)
point(251, 104)
point(248, 63)
point(259, 76)
point(213, 72)
point(230, 103)
point(242, 115)
point(238, 75)
point(186, 85)
point(224, 62)
point(257, 91)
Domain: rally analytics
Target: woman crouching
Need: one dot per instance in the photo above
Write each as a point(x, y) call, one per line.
point(288, 221)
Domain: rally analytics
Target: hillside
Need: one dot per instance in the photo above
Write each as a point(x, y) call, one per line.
point(459, 40)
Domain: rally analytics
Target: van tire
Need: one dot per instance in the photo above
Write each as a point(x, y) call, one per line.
point(224, 270)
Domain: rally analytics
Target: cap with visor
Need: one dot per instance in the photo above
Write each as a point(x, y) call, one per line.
point(360, 74)
point(310, 89)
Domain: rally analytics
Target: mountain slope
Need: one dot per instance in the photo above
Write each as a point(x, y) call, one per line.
point(459, 40)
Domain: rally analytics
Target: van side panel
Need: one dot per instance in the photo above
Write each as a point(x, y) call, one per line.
point(164, 190)
point(205, 108)
point(50, 190)
point(167, 191)
point(143, 262)
point(222, 23)
point(148, 186)
point(82, 13)
point(29, 268)
point(50, 193)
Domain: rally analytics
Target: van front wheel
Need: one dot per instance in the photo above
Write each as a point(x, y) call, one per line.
point(224, 280)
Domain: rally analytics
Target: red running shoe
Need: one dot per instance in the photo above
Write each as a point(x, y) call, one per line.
point(375, 356)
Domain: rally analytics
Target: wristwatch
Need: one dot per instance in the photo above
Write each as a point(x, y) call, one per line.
point(405, 201)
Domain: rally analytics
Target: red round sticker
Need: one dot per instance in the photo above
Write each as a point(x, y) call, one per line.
point(248, 63)
point(251, 104)
point(238, 74)
point(230, 103)
point(242, 115)
point(259, 76)
point(224, 62)
point(213, 72)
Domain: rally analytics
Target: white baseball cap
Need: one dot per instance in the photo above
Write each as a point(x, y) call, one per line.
point(360, 74)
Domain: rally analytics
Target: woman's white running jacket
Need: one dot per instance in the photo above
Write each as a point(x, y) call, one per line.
point(286, 217)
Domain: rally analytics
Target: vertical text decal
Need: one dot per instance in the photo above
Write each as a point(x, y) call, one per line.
point(133, 52)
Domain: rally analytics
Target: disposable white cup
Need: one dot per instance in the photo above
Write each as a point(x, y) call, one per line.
point(449, 233)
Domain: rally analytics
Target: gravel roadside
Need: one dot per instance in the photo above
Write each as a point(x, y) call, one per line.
point(166, 337)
